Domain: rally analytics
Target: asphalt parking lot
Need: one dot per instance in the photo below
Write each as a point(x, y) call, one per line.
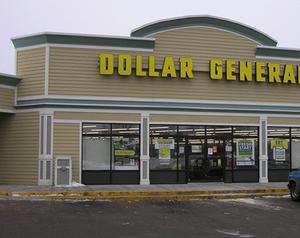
point(260, 217)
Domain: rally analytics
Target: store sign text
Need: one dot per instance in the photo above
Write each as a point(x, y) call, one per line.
point(261, 72)
point(128, 65)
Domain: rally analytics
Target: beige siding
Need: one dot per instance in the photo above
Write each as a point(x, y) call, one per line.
point(19, 141)
point(284, 121)
point(74, 72)
point(201, 119)
point(203, 44)
point(67, 142)
point(92, 116)
point(31, 67)
point(7, 98)
point(71, 70)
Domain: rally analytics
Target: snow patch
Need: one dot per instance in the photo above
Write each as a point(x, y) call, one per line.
point(234, 233)
point(73, 184)
point(255, 202)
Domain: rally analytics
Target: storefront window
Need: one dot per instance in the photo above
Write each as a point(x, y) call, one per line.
point(245, 147)
point(163, 130)
point(163, 153)
point(92, 129)
point(182, 150)
point(191, 145)
point(228, 154)
point(245, 153)
point(295, 148)
point(194, 131)
point(96, 153)
point(279, 147)
point(218, 131)
point(125, 147)
point(111, 146)
point(96, 146)
point(205, 152)
point(245, 131)
point(278, 132)
point(163, 147)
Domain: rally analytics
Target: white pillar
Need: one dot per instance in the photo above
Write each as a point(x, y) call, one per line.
point(45, 161)
point(144, 154)
point(263, 150)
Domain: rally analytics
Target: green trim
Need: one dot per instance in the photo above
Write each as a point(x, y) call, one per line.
point(9, 80)
point(277, 52)
point(208, 21)
point(60, 38)
point(160, 106)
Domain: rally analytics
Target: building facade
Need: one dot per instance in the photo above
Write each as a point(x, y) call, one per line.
point(182, 100)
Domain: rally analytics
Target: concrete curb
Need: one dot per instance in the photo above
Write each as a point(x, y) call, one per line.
point(146, 195)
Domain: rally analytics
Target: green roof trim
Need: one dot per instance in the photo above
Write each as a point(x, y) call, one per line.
point(278, 52)
point(159, 106)
point(209, 21)
point(73, 39)
point(9, 80)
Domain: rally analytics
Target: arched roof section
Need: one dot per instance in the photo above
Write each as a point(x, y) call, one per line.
point(205, 21)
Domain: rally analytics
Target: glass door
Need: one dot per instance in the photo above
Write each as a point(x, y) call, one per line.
point(205, 159)
point(195, 158)
point(215, 162)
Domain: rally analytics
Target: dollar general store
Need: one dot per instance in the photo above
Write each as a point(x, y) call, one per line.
point(181, 100)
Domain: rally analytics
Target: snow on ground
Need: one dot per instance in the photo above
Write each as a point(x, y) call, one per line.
point(234, 233)
point(254, 202)
point(73, 184)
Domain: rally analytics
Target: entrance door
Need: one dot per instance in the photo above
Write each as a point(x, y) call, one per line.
point(195, 159)
point(215, 160)
point(205, 159)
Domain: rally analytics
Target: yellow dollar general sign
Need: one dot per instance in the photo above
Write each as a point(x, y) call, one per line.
point(128, 65)
point(261, 72)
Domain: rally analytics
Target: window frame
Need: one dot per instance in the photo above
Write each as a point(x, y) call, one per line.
point(111, 135)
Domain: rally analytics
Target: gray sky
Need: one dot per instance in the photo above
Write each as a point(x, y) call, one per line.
point(277, 18)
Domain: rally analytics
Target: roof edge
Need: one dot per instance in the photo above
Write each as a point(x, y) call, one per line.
point(204, 20)
point(82, 39)
point(279, 52)
point(9, 79)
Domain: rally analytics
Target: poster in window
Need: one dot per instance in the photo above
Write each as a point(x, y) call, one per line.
point(228, 148)
point(245, 153)
point(164, 147)
point(279, 147)
point(196, 148)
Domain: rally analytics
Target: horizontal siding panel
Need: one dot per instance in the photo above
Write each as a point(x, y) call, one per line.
point(204, 41)
point(199, 88)
point(283, 121)
point(31, 67)
point(91, 116)
point(19, 144)
point(74, 72)
point(67, 142)
point(7, 98)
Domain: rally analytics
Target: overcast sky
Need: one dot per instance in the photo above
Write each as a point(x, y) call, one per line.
point(279, 19)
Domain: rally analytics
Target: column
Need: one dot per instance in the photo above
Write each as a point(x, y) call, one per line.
point(144, 157)
point(46, 148)
point(263, 150)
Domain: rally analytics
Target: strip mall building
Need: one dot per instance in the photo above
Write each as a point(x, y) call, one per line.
point(181, 100)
